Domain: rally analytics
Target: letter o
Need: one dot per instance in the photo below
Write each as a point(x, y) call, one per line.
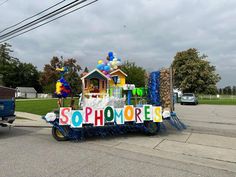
point(73, 119)
point(109, 117)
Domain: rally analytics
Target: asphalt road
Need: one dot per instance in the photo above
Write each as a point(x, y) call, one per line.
point(206, 148)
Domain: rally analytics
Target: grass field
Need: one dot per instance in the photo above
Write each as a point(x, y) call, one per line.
point(218, 101)
point(40, 107)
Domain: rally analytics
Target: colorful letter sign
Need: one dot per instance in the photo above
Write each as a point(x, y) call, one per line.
point(98, 117)
point(65, 116)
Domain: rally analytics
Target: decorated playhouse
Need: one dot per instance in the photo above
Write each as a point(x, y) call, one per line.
point(97, 84)
point(106, 107)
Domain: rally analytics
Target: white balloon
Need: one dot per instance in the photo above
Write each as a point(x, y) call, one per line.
point(113, 63)
point(118, 63)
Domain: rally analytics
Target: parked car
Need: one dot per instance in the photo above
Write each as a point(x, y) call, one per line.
point(189, 98)
point(7, 106)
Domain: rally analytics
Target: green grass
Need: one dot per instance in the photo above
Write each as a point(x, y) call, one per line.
point(40, 107)
point(218, 101)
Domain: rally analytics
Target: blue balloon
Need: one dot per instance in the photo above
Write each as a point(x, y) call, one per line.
point(110, 54)
point(62, 80)
point(100, 66)
point(111, 58)
point(107, 68)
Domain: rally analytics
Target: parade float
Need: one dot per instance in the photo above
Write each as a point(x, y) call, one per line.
point(106, 106)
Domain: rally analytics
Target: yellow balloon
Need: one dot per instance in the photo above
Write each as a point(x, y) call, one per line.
point(58, 87)
point(100, 61)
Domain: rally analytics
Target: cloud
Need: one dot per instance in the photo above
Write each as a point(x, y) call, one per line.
point(149, 32)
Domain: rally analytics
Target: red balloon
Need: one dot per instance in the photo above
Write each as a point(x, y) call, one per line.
point(104, 72)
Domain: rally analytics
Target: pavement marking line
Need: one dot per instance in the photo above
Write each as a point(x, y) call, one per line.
point(213, 140)
point(139, 141)
point(179, 157)
point(188, 137)
point(159, 143)
point(195, 150)
point(136, 157)
point(144, 141)
point(209, 125)
point(175, 136)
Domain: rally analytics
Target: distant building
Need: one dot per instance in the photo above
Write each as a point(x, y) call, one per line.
point(26, 92)
point(178, 92)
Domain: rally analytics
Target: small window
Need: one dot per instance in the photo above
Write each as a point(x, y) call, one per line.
point(94, 83)
point(118, 81)
point(114, 79)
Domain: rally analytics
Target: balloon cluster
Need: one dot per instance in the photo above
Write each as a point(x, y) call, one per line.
point(62, 87)
point(108, 66)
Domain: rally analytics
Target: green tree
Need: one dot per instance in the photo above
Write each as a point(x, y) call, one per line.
point(228, 90)
point(220, 91)
point(5, 60)
point(15, 73)
point(193, 73)
point(49, 76)
point(135, 74)
point(72, 76)
point(86, 70)
point(5, 50)
point(22, 75)
point(234, 90)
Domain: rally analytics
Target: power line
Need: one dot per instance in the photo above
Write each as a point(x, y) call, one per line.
point(3, 2)
point(45, 17)
point(49, 21)
point(33, 16)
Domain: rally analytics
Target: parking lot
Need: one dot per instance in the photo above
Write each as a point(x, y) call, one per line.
point(206, 148)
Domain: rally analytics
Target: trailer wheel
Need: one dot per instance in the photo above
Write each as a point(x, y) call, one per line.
point(152, 127)
point(56, 133)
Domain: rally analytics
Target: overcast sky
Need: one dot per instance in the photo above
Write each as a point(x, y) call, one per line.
point(149, 32)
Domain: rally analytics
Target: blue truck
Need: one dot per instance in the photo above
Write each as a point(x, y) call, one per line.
point(7, 106)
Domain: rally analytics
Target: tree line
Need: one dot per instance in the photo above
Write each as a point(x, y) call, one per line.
point(14, 73)
point(192, 72)
point(228, 90)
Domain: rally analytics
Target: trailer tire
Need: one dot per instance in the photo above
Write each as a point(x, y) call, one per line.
point(57, 134)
